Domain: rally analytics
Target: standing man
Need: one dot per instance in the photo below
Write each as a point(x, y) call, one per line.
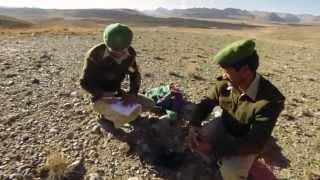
point(250, 107)
point(107, 64)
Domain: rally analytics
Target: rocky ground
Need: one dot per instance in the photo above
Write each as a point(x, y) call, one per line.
point(44, 112)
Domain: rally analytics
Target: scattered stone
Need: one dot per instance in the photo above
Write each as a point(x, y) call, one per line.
point(25, 137)
point(72, 167)
point(288, 116)
point(93, 153)
point(109, 136)
point(311, 79)
point(10, 118)
point(70, 135)
point(158, 58)
point(74, 94)
point(67, 105)
point(79, 111)
point(28, 102)
point(35, 81)
point(77, 104)
point(11, 75)
point(21, 168)
point(27, 177)
point(124, 147)
point(297, 100)
point(201, 56)
point(53, 130)
point(45, 56)
point(16, 176)
point(10, 83)
point(304, 113)
point(148, 75)
point(94, 176)
point(3, 136)
point(307, 113)
point(175, 74)
point(134, 178)
point(96, 129)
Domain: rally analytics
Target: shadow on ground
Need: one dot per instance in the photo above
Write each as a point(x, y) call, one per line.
point(273, 155)
point(161, 145)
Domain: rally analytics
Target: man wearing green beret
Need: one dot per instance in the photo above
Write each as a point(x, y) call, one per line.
point(250, 107)
point(106, 66)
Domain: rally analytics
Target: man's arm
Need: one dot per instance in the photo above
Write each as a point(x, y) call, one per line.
point(202, 111)
point(88, 79)
point(205, 107)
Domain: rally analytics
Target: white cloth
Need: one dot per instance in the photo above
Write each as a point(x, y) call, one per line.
point(108, 110)
point(114, 112)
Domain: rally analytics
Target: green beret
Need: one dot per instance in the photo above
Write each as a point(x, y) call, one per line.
point(117, 36)
point(235, 52)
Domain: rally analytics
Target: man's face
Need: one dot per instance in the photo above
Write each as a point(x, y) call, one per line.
point(117, 53)
point(233, 76)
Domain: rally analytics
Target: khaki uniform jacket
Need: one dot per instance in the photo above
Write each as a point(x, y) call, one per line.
point(101, 73)
point(248, 123)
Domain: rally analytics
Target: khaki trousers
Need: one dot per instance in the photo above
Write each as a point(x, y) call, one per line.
point(236, 168)
point(231, 168)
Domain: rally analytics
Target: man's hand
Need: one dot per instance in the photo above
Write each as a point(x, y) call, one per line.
point(129, 99)
point(198, 142)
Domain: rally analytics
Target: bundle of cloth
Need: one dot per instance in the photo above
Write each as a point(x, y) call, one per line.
point(168, 98)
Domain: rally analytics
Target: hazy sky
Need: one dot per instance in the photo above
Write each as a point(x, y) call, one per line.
point(292, 6)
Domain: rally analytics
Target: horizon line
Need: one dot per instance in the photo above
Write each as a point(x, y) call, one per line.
point(30, 7)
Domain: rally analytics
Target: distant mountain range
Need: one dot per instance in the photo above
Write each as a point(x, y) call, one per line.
point(35, 13)
point(82, 17)
point(10, 22)
point(233, 13)
point(158, 16)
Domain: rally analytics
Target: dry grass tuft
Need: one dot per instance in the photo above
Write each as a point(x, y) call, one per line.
point(57, 165)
